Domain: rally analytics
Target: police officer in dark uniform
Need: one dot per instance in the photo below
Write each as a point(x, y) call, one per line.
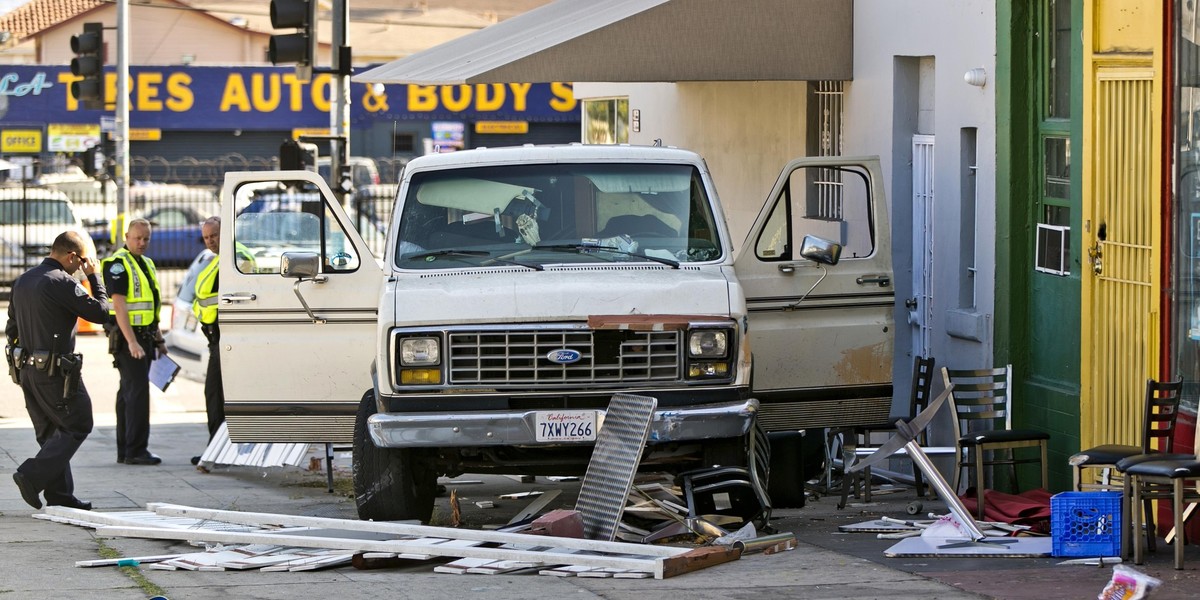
point(134, 338)
point(42, 313)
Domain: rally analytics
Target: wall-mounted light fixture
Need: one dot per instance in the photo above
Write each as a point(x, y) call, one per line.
point(976, 77)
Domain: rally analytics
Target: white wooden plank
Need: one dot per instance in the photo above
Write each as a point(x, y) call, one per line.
point(131, 561)
point(642, 563)
point(261, 519)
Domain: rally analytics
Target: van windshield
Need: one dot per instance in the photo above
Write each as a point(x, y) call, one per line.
point(605, 212)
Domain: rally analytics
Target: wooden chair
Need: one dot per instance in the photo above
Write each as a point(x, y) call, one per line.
point(1163, 476)
point(922, 382)
point(1161, 407)
point(982, 404)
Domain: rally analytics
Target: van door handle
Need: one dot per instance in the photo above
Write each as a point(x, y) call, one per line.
point(882, 280)
point(237, 297)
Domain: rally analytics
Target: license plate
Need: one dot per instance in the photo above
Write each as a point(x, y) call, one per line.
point(565, 425)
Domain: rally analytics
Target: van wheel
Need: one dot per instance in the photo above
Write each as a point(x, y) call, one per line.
point(390, 484)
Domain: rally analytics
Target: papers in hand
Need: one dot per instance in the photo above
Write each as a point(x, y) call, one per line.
point(163, 371)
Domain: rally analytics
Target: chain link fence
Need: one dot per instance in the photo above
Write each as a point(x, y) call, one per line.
point(175, 196)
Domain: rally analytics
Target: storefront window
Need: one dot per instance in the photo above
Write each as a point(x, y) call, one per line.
point(1185, 313)
point(606, 121)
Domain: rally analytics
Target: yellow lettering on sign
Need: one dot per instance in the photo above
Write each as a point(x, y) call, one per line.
point(456, 102)
point(179, 92)
point(322, 92)
point(145, 135)
point(422, 98)
point(235, 97)
point(564, 97)
point(520, 95)
point(147, 92)
point(264, 103)
point(484, 101)
point(295, 91)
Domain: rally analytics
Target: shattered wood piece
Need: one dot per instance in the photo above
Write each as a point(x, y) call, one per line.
point(460, 566)
point(130, 561)
point(536, 506)
point(389, 528)
point(501, 567)
point(562, 478)
point(485, 504)
point(700, 558)
point(564, 571)
point(633, 575)
point(558, 523)
point(333, 560)
point(519, 495)
point(630, 528)
point(463, 482)
point(455, 510)
point(522, 478)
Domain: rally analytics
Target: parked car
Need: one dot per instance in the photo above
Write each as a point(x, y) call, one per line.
point(30, 219)
point(175, 239)
point(363, 171)
point(185, 342)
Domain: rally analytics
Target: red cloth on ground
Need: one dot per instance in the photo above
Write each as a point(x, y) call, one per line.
point(1031, 507)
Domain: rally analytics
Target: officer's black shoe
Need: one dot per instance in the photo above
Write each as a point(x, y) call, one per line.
point(120, 460)
point(73, 502)
point(28, 494)
point(145, 459)
point(195, 460)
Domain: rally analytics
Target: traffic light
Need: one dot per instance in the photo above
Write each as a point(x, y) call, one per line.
point(294, 48)
point(89, 64)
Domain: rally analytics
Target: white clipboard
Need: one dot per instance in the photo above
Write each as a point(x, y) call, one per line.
point(163, 371)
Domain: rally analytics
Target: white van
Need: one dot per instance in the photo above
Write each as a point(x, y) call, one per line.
point(522, 288)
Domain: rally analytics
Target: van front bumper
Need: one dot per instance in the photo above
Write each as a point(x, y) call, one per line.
point(517, 428)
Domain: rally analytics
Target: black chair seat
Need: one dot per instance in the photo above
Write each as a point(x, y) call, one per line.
point(1108, 454)
point(1128, 462)
point(1167, 469)
point(1001, 436)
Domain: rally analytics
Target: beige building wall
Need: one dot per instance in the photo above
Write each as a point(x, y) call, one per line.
point(746, 132)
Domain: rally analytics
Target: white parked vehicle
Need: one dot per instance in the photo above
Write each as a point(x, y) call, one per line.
point(523, 287)
point(186, 344)
point(30, 219)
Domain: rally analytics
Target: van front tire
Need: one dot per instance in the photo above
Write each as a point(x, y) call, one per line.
point(390, 484)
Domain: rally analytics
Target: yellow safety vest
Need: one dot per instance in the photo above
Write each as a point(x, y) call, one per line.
point(205, 304)
point(245, 258)
point(139, 298)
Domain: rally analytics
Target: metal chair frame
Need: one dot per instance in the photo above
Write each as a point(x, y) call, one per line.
point(982, 403)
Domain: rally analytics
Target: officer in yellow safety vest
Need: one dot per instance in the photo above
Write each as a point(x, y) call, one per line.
point(204, 306)
point(134, 338)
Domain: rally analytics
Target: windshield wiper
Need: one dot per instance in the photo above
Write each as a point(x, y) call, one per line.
point(586, 248)
point(455, 253)
point(452, 253)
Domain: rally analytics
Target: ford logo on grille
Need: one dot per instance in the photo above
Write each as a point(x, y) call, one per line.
point(564, 356)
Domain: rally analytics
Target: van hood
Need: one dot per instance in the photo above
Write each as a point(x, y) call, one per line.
point(556, 294)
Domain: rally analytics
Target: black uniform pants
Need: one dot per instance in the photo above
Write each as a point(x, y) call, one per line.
point(60, 426)
point(133, 402)
point(214, 393)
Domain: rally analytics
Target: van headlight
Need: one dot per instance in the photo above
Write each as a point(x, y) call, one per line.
point(708, 343)
point(420, 360)
point(420, 352)
point(708, 353)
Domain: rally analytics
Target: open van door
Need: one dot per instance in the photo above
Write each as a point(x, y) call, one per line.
point(821, 334)
point(299, 289)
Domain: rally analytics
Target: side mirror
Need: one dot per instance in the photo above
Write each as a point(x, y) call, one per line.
point(820, 250)
point(300, 265)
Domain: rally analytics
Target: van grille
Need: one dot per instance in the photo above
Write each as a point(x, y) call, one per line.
point(519, 357)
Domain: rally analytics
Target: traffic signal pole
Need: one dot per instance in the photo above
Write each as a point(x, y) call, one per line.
point(121, 137)
point(339, 119)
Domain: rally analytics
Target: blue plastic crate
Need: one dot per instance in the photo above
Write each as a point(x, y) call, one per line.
point(1086, 523)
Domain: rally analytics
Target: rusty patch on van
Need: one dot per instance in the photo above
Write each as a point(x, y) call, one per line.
point(866, 364)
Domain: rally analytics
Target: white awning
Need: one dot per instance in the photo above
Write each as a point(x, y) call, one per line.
point(644, 40)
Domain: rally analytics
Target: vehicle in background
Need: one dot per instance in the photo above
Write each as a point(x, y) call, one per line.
point(363, 171)
point(30, 219)
point(186, 344)
point(175, 212)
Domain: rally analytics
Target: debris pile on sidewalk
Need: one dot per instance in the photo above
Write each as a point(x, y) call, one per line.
point(238, 541)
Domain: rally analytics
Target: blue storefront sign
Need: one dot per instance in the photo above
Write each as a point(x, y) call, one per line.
point(270, 98)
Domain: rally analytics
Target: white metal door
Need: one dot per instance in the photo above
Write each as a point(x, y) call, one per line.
point(920, 307)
